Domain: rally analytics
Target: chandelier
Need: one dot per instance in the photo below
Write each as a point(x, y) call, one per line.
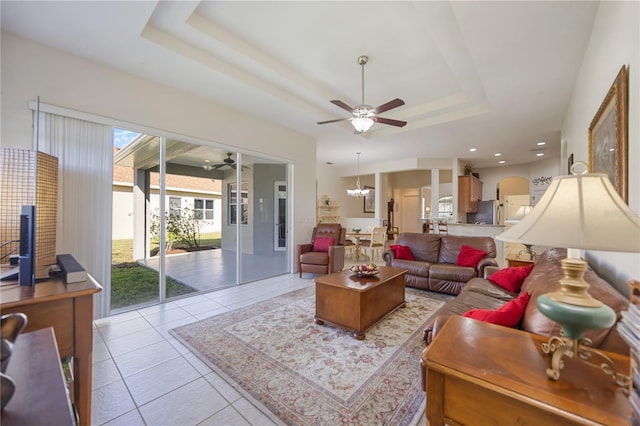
point(357, 191)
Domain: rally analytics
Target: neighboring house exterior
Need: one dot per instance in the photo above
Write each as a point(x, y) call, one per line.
point(182, 192)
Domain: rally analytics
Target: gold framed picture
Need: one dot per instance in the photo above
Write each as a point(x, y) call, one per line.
point(608, 135)
point(370, 200)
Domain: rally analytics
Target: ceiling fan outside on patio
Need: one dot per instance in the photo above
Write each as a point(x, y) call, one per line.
point(364, 116)
point(227, 162)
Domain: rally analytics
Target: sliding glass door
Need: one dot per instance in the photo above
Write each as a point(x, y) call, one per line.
point(193, 218)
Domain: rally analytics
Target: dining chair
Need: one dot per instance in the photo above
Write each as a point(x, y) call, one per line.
point(443, 228)
point(376, 243)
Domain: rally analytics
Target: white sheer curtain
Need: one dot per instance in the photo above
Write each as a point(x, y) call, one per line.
point(85, 157)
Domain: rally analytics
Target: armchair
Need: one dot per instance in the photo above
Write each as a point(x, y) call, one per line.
point(322, 256)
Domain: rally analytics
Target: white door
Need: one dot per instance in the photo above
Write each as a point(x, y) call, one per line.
point(280, 215)
point(411, 214)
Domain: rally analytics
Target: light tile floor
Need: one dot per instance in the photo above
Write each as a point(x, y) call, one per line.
point(144, 376)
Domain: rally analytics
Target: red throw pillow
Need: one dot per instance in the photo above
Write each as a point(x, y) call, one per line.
point(402, 252)
point(511, 279)
point(322, 243)
point(508, 315)
point(470, 256)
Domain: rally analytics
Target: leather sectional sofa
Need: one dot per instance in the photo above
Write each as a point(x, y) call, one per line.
point(543, 278)
point(435, 266)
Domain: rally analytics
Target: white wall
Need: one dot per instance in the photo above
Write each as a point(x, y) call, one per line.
point(614, 42)
point(490, 176)
point(30, 70)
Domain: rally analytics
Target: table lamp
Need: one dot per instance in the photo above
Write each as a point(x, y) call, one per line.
point(579, 211)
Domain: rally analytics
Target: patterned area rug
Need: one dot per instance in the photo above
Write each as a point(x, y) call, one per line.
point(309, 374)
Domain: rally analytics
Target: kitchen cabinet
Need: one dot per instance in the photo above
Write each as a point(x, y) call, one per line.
point(469, 193)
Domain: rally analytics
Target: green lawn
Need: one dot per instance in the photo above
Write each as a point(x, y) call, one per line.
point(132, 284)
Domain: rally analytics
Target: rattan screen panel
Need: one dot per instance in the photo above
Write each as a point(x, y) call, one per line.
point(28, 177)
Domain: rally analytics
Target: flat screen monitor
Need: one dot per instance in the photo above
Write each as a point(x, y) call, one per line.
point(27, 259)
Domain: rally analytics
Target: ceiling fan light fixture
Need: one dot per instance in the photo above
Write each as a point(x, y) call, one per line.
point(364, 116)
point(358, 192)
point(362, 124)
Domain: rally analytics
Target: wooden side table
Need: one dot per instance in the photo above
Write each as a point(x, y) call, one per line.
point(513, 261)
point(479, 373)
point(68, 308)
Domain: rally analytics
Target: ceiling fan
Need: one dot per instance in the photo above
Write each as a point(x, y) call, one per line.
point(364, 116)
point(227, 162)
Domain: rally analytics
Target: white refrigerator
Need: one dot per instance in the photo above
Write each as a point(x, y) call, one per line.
point(512, 203)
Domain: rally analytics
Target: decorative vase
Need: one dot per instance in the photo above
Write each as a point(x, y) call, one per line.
point(7, 388)
point(10, 327)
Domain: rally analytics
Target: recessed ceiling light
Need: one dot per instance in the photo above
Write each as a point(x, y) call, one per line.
point(497, 154)
point(473, 149)
point(541, 143)
point(611, 149)
point(540, 154)
point(207, 161)
point(501, 161)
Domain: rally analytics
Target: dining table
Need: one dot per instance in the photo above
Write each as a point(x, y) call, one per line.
point(357, 236)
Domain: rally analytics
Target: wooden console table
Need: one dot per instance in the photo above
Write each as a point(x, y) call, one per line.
point(514, 261)
point(69, 310)
point(479, 373)
point(40, 397)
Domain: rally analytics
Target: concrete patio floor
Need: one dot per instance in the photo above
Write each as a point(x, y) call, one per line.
point(215, 269)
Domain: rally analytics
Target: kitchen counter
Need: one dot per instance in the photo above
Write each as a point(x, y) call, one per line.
point(478, 229)
point(476, 224)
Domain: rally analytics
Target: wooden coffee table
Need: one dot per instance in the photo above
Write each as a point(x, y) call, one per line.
point(358, 303)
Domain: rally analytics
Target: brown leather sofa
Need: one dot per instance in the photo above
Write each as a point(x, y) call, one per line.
point(544, 278)
point(322, 262)
point(434, 267)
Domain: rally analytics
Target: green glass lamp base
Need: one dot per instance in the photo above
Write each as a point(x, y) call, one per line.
point(574, 319)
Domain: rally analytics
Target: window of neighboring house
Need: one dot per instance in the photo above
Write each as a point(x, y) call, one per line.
point(445, 207)
point(232, 201)
point(203, 209)
point(175, 206)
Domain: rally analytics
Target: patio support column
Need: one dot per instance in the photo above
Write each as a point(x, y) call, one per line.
point(141, 200)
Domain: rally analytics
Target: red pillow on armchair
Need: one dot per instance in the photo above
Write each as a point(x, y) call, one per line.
point(322, 243)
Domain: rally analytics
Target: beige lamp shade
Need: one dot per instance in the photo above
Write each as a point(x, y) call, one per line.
point(579, 211)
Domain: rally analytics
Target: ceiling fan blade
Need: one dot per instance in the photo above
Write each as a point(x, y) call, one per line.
point(389, 105)
point(333, 121)
point(342, 105)
point(391, 122)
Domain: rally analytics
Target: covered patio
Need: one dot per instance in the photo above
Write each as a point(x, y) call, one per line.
point(216, 269)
